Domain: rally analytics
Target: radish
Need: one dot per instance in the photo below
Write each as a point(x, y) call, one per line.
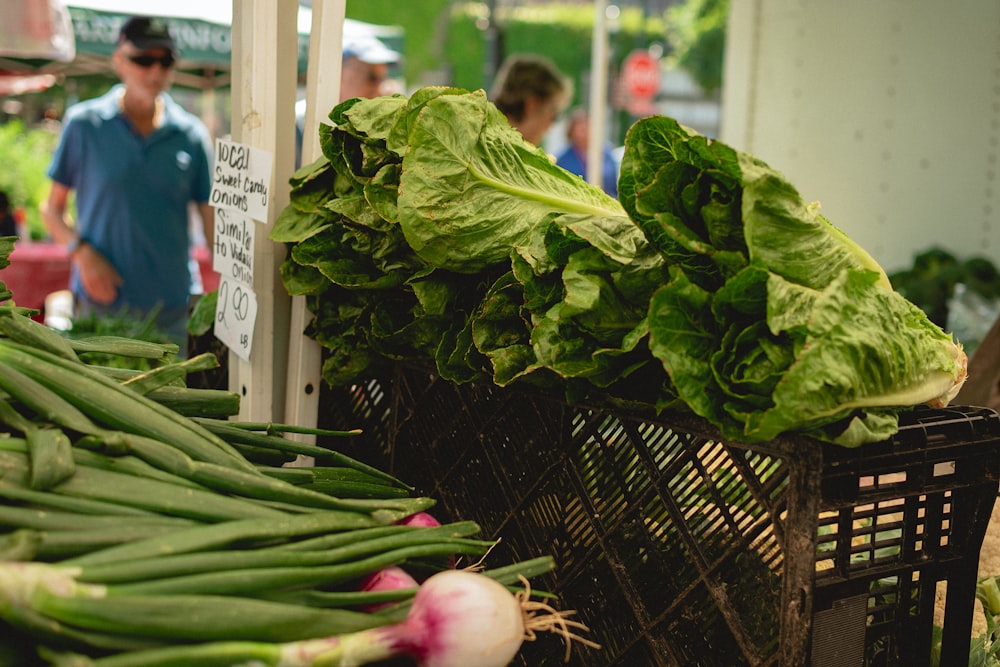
point(387, 579)
point(458, 619)
point(425, 520)
point(422, 519)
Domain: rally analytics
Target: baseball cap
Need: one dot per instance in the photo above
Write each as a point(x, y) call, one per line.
point(147, 33)
point(369, 49)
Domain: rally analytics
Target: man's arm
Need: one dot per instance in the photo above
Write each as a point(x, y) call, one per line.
point(99, 278)
point(208, 222)
point(54, 215)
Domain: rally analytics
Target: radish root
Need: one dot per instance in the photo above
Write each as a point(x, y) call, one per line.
point(541, 617)
point(480, 564)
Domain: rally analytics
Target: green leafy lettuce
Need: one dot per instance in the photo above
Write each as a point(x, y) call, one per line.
point(773, 320)
point(431, 232)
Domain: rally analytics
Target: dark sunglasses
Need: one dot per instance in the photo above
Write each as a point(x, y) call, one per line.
point(145, 60)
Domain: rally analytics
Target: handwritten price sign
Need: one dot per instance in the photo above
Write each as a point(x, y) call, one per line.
point(240, 195)
point(242, 178)
point(232, 255)
point(235, 314)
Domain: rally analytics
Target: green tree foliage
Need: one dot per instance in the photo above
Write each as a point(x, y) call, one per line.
point(422, 23)
point(448, 39)
point(696, 30)
point(446, 42)
point(25, 153)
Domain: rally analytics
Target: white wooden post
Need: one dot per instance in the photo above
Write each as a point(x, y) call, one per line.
point(598, 101)
point(265, 50)
point(322, 93)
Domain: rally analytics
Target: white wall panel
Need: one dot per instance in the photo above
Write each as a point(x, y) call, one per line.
point(887, 112)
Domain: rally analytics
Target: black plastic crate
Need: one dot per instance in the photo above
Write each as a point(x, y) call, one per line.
point(680, 548)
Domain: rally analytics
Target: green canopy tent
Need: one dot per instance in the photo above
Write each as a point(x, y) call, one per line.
point(201, 28)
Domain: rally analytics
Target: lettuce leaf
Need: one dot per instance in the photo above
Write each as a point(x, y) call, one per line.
point(774, 320)
point(790, 237)
point(862, 348)
point(472, 188)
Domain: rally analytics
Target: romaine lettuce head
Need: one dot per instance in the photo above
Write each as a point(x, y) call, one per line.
point(711, 209)
point(862, 348)
point(774, 320)
point(683, 191)
point(763, 356)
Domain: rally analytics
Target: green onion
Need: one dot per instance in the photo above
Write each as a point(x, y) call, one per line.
point(201, 617)
point(253, 580)
point(231, 532)
point(159, 567)
point(197, 402)
point(18, 326)
point(123, 347)
point(51, 455)
point(117, 407)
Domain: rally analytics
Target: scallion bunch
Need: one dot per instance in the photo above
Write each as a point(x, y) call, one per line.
point(139, 526)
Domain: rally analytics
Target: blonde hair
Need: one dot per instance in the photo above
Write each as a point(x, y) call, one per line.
point(522, 76)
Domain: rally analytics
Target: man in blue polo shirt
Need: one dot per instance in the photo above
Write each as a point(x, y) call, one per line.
point(137, 161)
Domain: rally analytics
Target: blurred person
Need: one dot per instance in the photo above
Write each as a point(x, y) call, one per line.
point(574, 157)
point(50, 120)
point(364, 67)
point(136, 161)
point(364, 71)
point(531, 92)
point(8, 223)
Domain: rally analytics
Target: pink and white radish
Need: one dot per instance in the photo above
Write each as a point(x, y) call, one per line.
point(425, 520)
point(458, 618)
point(387, 579)
point(422, 519)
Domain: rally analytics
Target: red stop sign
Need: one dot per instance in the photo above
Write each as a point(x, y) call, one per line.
point(641, 74)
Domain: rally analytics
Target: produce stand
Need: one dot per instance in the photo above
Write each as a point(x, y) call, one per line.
point(678, 547)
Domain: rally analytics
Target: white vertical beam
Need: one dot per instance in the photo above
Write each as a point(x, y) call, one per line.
point(323, 78)
point(598, 95)
point(265, 54)
point(322, 93)
point(740, 66)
